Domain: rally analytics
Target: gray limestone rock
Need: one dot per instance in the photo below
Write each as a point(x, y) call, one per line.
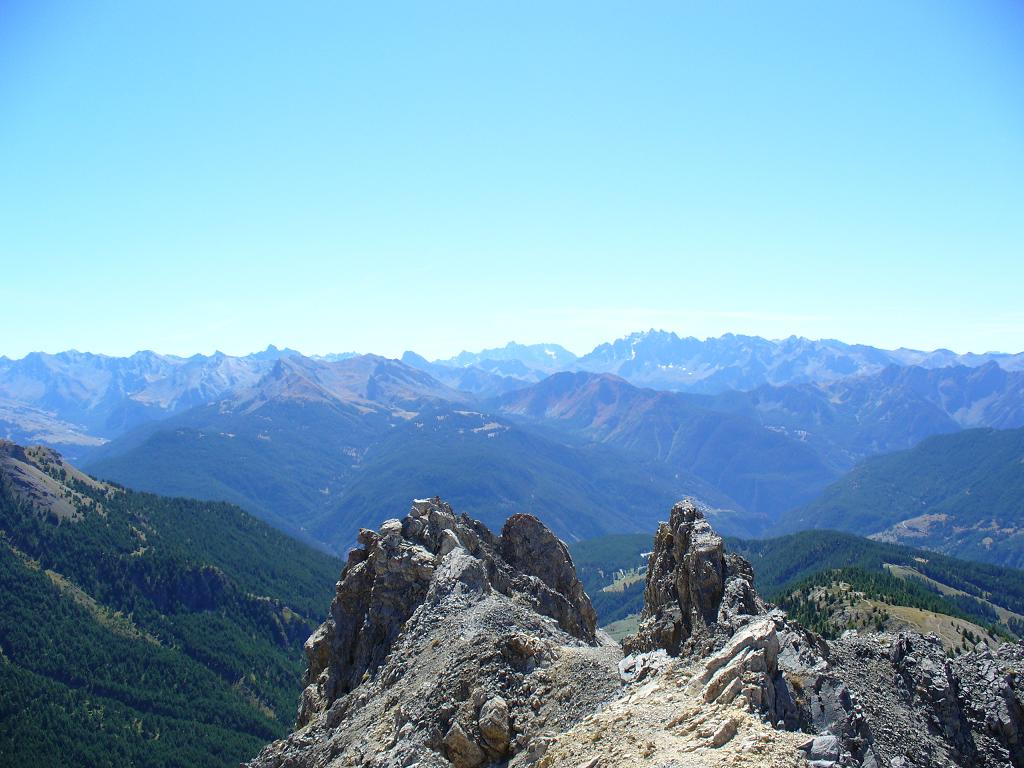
point(694, 590)
point(494, 725)
point(872, 698)
point(449, 646)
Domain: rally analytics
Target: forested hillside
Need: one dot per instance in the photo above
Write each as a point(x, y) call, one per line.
point(962, 494)
point(142, 630)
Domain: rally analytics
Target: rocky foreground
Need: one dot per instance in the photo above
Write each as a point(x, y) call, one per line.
point(449, 646)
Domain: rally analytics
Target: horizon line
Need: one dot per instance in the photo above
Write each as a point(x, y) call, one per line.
point(313, 355)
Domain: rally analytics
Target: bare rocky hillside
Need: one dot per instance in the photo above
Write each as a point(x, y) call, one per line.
point(449, 646)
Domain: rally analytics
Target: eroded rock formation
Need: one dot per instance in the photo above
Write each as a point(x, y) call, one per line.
point(873, 700)
point(694, 591)
point(450, 646)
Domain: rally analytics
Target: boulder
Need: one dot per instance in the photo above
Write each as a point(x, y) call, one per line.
point(494, 725)
point(462, 751)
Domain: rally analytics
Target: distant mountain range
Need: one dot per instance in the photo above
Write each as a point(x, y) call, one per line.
point(312, 445)
point(315, 446)
point(73, 400)
point(774, 448)
point(76, 400)
point(760, 470)
point(546, 358)
point(663, 360)
point(318, 449)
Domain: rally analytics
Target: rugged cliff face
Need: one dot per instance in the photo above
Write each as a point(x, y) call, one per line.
point(873, 700)
point(448, 645)
point(696, 593)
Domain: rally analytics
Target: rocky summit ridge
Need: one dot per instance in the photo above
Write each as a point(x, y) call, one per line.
point(447, 645)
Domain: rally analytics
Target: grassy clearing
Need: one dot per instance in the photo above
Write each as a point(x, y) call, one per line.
point(904, 572)
point(625, 580)
point(623, 628)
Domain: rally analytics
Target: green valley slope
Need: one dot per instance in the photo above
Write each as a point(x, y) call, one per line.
point(960, 494)
point(141, 630)
point(319, 449)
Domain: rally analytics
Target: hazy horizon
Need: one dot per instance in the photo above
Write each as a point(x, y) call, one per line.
point(456, 351)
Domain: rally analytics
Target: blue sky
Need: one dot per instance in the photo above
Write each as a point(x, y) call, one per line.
point(191, 176)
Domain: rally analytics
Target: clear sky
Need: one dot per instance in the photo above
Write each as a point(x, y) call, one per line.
point(190, 176)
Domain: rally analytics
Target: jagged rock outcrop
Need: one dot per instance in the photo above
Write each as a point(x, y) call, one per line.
point(694, 589)
point(871, 700)
point(905, 703)
point(448, 645)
